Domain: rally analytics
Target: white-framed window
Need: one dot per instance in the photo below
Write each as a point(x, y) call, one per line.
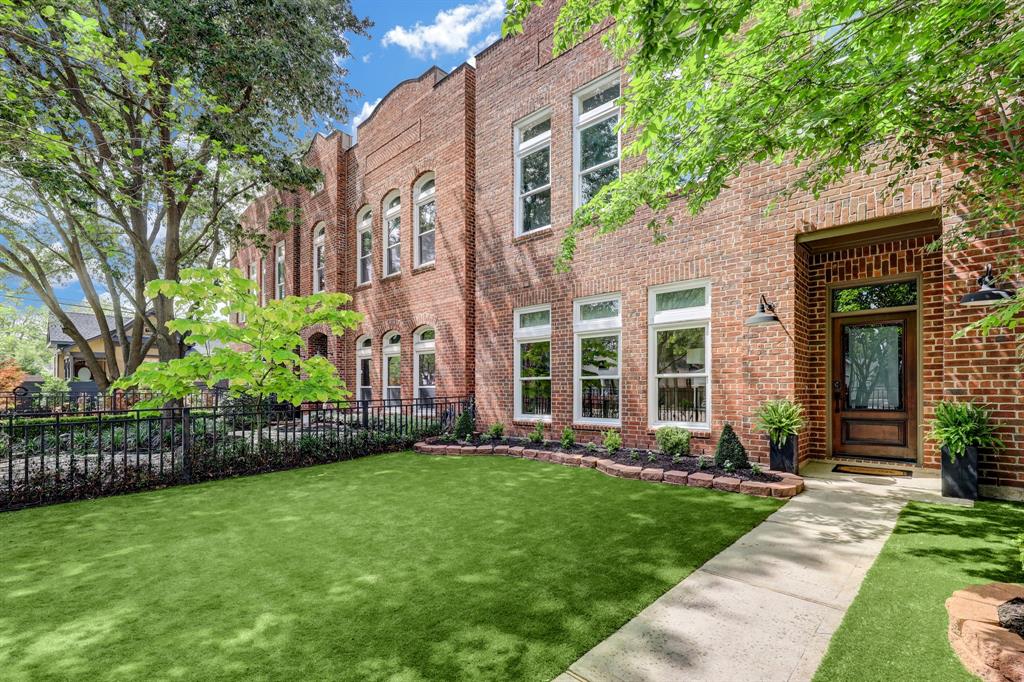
point(425, 221)
point(392, 352)
point(252, 272)
point(364, 245)
point(597, 358)
point(319, 258)
point(424, 363)
point(533, 173)
point(364, 372)
point(532, 340)
point(279, 271)
point(392, 234)
point(595, 137)
point(262, 274)
point(679, 355)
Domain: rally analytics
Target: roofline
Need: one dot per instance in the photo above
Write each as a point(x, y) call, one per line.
point(487, 49)
point(390, 92)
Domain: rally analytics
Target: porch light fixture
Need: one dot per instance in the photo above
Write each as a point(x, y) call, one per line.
point(986, 294)
point(765, 314)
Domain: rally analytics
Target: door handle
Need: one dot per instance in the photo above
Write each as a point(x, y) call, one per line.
point(837, 394)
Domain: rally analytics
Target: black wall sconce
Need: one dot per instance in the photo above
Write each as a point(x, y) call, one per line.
point(765, 314)
point(986, 294)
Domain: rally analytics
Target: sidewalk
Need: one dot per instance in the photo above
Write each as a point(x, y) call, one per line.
point(766, 607)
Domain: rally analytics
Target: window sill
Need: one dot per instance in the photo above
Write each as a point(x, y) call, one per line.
point(364, 285)
point(426, 267)
point(695, 432)
point(539, 233)
point(530, 421)
point(596, 426)
point(393, 275)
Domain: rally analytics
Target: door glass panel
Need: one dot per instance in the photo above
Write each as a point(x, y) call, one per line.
point(873, 359)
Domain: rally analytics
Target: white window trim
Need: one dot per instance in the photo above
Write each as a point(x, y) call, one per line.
point(319, 239)
point(280, 272)
point(419, 348)
point(252, 274)
point(261, 283)
point(608, 326)
point(362, 353)
point(387, 215)
point(581, 121)
point(364, 223)
point(683, 318)
point(521, 149)
point(390, 350)
point(421, 199)
point(523, 335)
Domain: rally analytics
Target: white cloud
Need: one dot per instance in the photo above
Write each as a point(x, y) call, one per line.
point(366, 57)
point(364, 113)
point(451, 31)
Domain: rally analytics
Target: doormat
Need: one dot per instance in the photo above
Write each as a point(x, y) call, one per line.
point(871, 471)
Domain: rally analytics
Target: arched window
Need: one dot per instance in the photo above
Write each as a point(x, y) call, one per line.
point(392, 234)
point(392, 351)
point(319, 258)
point(318, 345)
point(425, 218)
point(425, 364)
point(364, 239)
point(364, 358)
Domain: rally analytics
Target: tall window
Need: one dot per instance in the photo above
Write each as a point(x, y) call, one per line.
point(425, 364)
point(364, 374)
point(595, 139)
point(263, 291)
point(678, 354)
point(393, 366)
point(532, 338)
point(279, 271)
point(392, 234)
point(425, 216)
point(252, 272)
point(597, 323)
point(533, 173)
point(319, 259)
point(364, 237)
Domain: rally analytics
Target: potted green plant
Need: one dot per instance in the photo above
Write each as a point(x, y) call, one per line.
point(962, 429)
point(782, 421)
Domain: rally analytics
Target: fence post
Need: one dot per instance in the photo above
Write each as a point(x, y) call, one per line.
point(186, 444)
point(365, 413)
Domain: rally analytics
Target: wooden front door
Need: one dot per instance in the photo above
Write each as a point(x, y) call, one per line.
point(874, 386)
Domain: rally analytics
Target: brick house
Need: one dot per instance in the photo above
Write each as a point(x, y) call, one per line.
point(638, 334)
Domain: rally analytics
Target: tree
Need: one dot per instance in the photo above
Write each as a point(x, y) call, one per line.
point(133, 131)
point(258, 359)
point(831, 86)
point(11, 376)
point(23, 338)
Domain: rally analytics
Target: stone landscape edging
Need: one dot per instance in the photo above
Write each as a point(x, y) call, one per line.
point(986, 649)
point(789, 486)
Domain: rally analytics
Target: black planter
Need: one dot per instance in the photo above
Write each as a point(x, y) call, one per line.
point(783, 457)
point(960, 477)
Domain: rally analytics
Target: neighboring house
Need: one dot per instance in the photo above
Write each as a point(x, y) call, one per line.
point(639, 334)
point(68, 358)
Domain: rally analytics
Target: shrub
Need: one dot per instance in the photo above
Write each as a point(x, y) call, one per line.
point(959, 426)
point(651, 457)
point(464, 426)
point(590, 447)
point(496, 431)
point(537, 435)
point(568, 438)
point(780, 419)
point(673, 441)
point(612, 440)
point(702, 462)
point(730, 450)
point(634, 456)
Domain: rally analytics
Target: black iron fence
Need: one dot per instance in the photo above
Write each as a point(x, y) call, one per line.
point(21, 401)
point(56, 456)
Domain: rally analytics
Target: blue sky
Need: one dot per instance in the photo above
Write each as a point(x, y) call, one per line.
point(407, 37)
point(410, 35)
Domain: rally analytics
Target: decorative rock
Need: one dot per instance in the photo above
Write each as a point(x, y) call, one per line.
point(987, 649)
point(543, 455)
point(453, 449)
point(755, 488)
point(485, 449)
point(993, 594)
point(626, 471)
point(469, 449)
point(727, 483)
point(572, 460)
point(501, 449)
point(1011, 615)
point(700, 479)
point(652, 474)
point(676, 477)
point(517, 451)
point(605, 466)
point(783, 489)
point(589, 461)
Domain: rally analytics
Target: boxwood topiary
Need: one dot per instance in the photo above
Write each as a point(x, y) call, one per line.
point(730, 451)
point(464, 426)
point(673, 441)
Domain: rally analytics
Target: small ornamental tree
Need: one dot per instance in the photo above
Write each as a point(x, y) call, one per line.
point(259, 359)
point(730, 452)
point(11, 375)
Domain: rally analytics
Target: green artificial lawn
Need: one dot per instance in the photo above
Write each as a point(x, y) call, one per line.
point(896, 628)
point(400, 567)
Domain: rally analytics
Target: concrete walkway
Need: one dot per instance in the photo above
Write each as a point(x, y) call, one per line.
point(765, 608)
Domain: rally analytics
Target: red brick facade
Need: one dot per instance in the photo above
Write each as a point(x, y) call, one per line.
point(462, 127)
